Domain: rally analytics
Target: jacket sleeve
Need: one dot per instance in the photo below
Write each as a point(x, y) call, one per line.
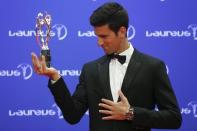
point(72, 107)
point(168, 115)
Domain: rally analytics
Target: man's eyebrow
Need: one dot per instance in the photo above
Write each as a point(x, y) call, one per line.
point(102, 35)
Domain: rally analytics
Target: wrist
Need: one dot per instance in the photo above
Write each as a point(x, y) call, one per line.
point(55, 76)
point(129, 115)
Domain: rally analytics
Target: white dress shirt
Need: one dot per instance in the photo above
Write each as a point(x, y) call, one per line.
point(117, 72)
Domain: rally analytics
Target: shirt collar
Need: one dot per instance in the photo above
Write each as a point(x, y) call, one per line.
point(128, 53)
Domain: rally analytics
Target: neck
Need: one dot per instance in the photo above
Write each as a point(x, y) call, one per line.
point(123, 46)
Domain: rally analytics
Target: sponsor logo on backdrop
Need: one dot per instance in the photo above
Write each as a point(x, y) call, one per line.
point(131, 32)
point(190, 32)
point(58, 30)
point(59, 112)
point(25, 71)
point(31, 112)
point(54, 111)
point(69, 72)
point(90, 33)
point(193, 27)
point(167, 69)
point(36, 112)
point(87, 33)
point(190, 109)
point(22, 70)
point(61, 31)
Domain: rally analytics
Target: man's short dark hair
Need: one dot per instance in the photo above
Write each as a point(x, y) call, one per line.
point(112, 14)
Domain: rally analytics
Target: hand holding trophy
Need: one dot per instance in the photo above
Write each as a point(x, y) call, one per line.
point(43, 30)
point(42, 64)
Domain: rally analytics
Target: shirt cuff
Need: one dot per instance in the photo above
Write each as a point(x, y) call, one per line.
point(53, 82)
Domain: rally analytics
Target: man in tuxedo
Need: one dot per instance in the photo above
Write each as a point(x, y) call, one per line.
point(123, 88)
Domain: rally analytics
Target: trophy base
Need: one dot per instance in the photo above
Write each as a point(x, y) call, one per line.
point(47, 55)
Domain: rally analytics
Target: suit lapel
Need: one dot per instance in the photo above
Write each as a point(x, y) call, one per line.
point(103, 68)
point(132, 69)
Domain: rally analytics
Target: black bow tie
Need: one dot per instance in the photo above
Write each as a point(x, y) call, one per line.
point(121, 58)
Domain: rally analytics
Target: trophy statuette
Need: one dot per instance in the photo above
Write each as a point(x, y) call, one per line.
point(43, 30)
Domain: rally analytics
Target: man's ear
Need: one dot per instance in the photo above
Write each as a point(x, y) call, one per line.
point(122, 32)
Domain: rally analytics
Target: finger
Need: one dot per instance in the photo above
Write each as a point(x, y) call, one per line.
point(35, 62)
point(108, 118)
point(43, 63)
point(106, 112)
point(108, 102)
point(122, 97)
point(33, 57)
point(33, 54)
point(43, 58)
point(105, 106)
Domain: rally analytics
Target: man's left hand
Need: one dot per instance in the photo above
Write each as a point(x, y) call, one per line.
point(115, 110)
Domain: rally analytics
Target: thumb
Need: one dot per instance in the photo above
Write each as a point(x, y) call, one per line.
point(122, 97)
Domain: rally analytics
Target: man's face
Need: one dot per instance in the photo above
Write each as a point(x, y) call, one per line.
point(107, 39)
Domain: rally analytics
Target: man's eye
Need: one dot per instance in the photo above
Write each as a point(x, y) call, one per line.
point(104, 37)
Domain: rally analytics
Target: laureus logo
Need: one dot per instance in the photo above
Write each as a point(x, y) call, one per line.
point(58, 30)
point(167, 69)
point(26, 70)
point(90, 33)
point(193, 105)
point(190, 109)
point(193, 27)
point(61, 31)
point(130, 32)
point(59, 112)
point(191, 31)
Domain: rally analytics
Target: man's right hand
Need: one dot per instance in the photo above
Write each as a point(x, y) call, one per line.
point(40, 67)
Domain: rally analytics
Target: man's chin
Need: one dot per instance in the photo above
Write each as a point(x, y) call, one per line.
point(107, 52)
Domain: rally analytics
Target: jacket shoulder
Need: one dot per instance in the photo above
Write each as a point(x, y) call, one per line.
point(92, 65)
point(148, 59)
point(96, 61)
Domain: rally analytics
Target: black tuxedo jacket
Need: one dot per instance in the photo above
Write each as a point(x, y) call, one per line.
point(146, 86)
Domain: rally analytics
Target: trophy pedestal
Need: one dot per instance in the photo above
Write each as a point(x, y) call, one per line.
point(47, 55)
